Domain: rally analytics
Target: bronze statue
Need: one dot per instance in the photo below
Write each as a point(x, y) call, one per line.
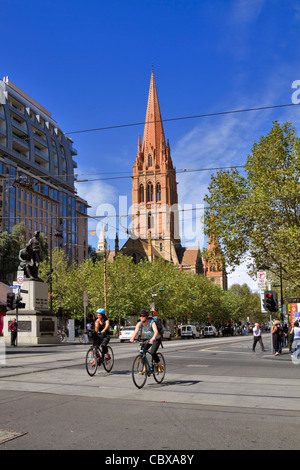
point(30, 257)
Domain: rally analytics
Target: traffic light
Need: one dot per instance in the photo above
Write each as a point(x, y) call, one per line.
point(19, 304)
point(11, 301)
point(270, 301)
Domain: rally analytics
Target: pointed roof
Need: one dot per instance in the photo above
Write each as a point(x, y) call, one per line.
point(153, 131)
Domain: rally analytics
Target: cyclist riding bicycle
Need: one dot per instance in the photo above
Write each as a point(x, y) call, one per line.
point(150, 332)
point(100, 335)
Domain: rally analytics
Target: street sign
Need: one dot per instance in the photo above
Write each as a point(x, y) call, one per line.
point(261, 279)
point(20, 280)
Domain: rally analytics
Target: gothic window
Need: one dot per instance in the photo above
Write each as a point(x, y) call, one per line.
point(149, 220)
point(158, 192)
point(149, 159)
point(141, 193)
point(150, 192)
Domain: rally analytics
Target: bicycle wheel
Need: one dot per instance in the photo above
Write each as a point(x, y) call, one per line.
point(139, 371)
point(91, 361)
point(159, 375)
point(108, 363)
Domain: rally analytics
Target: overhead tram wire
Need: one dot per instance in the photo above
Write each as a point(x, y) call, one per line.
point(197, 116)
point(184, 170)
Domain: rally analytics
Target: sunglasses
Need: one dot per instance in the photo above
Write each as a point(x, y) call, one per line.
point(143, 315)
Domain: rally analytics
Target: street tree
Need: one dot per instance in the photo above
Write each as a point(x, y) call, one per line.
point(256, 215)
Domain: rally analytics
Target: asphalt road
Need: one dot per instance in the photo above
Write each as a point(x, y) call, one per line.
point(217, 394)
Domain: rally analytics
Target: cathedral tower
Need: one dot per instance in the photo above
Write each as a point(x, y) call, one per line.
point(154, 187)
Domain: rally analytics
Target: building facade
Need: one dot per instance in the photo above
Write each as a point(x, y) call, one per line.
point(37, 174)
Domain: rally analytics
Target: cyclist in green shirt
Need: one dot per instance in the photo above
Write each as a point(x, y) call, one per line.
point(150, 332)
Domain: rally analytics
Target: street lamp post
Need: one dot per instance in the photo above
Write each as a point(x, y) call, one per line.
point(58, 234)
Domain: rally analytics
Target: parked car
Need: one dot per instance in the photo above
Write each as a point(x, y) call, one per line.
point(210, 331)
point(189, 331)
point(126, 333)
point(166, 333)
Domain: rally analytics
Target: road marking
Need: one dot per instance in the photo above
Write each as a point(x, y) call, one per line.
point(9, 435)
point(197, 365)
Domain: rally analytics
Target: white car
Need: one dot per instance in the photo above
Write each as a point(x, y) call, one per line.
point(126, 333)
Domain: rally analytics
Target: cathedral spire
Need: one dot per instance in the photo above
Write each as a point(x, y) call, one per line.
point(154, 135)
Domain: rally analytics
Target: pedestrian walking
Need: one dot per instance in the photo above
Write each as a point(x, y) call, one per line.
point(296, 336)
point(257, 337)
point(285, 331)
point(13, 328)
point(275, 336)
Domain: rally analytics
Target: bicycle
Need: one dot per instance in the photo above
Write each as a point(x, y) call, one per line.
point(141, 368)
point(83, 337)
point(95, 357)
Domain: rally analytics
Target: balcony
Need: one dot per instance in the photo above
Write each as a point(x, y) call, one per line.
point(42, 155)
point(20, 142)
point(21, 126)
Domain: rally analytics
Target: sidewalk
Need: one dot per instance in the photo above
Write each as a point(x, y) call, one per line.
point(284, 356)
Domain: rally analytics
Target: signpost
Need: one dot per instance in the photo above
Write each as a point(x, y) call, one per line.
point(261, 280)
point(20, 280)
point(85, 304)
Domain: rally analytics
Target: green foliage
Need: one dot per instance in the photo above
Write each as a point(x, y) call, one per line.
point(10, 245)
point(130, 287)
point(256, 216)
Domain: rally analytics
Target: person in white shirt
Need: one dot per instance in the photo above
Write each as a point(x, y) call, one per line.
point(257, 337)
point(296, 336)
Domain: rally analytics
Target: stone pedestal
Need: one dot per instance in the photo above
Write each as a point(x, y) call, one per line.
point(35, 323)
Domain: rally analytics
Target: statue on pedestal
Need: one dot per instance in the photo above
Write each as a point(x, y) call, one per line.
point(30, 258)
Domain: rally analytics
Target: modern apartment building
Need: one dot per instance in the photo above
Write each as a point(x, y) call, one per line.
point(37, 174)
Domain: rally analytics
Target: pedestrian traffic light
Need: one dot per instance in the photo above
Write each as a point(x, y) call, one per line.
point(270, 301)
point(11, 301)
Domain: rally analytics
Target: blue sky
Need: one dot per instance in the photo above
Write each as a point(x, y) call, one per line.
point(90, 63)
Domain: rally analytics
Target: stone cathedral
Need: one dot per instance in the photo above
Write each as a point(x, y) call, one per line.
point(155, 218)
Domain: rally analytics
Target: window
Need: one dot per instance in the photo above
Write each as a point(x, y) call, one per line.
point(149, 160)
point(150, 192)
point(158, 192)
point(149, 220)
point(141, 193)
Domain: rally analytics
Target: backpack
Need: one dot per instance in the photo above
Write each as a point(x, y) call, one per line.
point(158, 324)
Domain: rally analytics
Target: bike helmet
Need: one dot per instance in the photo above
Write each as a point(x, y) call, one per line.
point(143, 312)
point(101, 310)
